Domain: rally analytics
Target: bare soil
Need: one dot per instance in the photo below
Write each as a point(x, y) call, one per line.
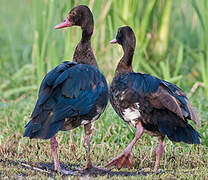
point(48, 169)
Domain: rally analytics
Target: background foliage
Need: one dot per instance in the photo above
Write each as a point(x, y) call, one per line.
point(172, 44)
point(171, 40)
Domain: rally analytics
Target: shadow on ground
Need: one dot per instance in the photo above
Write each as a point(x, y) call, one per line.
point(73, 169)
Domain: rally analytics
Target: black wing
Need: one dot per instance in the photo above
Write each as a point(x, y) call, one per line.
point(69, 91)
point(167, 106)
point(162, 94)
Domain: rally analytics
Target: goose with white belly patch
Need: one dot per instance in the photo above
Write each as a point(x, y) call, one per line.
point(151, 105)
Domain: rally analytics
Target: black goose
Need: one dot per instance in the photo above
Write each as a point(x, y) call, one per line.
point(151, 105)
point(72, 94)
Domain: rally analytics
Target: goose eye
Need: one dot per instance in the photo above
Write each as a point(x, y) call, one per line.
point(119, 35)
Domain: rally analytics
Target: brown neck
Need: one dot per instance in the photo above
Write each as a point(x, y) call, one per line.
point(83, 53)
point(125, 64)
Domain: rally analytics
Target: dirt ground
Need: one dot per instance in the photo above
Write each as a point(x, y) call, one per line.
point(70, 170)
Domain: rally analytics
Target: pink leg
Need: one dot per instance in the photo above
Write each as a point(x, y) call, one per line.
point(159, 153)
point(88, 132)
point(89, 165)
point(54, 145)
point(125, 159)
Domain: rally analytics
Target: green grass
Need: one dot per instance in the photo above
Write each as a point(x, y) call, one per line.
point(171, 44)
point(110, 136)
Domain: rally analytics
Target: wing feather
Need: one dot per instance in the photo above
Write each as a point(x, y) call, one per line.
point(162, 99)
point(69, 90)
point(187, 109)
point(193, 115)
point(160, 94)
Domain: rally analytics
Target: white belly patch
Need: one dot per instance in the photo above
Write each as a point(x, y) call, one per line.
point(132, 114)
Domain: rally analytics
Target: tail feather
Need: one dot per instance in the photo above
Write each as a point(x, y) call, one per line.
point(42, 131)
point(31, 129)
point(176, 129)
point(193, 114)
point(179, 134)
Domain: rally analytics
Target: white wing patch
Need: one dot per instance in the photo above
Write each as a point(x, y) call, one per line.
point(84, 122)
point(122, 95)
point(87, 121)
point(132, 114)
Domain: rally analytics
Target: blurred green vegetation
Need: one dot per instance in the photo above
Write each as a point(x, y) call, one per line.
point(172, 44)
point(171, 40)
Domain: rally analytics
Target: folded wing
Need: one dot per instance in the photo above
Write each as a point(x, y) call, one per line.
point(68, 91)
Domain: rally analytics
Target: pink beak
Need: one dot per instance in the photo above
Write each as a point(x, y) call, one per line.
point(114, 41)
point(65, 23)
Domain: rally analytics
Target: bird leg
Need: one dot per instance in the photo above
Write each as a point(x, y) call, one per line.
point(57, 167)
point(88, 132)
point(125, 159)
point(159, 153)
point(54, 145)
